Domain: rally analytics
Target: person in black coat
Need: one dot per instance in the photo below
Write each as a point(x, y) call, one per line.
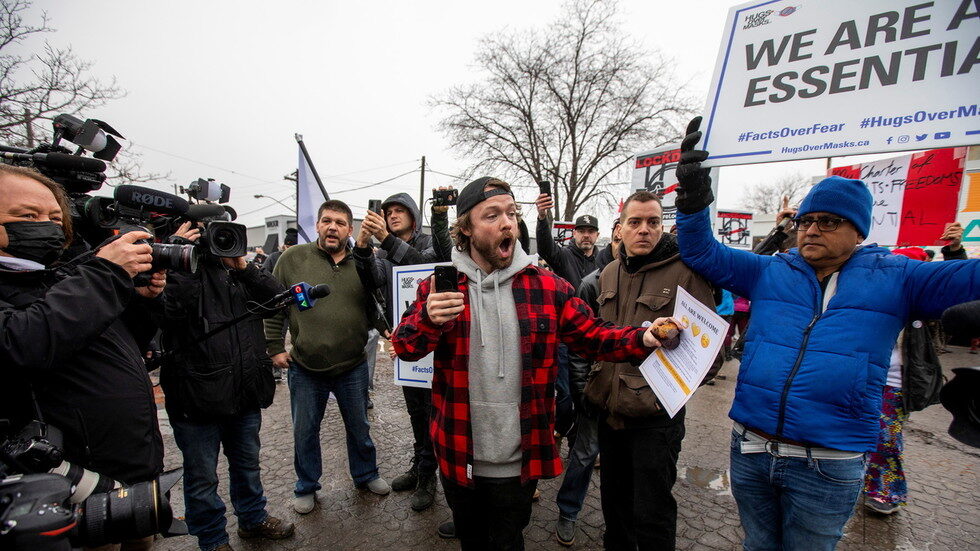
point(215, 389)
point(74, 334)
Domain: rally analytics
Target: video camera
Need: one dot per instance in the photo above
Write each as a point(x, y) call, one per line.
point(137, 208)
point(47, 503)
point(78, 175)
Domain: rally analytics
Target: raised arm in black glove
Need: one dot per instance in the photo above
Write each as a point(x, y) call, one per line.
point(694, 183)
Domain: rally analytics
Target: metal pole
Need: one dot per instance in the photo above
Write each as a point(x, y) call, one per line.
point(422, 184)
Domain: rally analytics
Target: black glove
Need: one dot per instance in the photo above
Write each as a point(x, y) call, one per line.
point(694, 183)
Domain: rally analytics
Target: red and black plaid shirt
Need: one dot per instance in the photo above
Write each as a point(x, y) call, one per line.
point(547, 311)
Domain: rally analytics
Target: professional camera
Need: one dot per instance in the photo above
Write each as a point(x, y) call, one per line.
point(444, 197)
point(136, 208)
point(220, 236)
point(78, 175)
point(49, 504)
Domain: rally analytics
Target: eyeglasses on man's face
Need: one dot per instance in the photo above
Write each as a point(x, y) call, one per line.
point(824, 223)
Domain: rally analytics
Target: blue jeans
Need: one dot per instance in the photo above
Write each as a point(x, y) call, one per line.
point(564, 408)
point(793, 502)
point(199, 444)
point(308, 392)
point(578, 468)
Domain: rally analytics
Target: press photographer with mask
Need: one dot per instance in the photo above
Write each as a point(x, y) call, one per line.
point(215, 388)
point(72, 336)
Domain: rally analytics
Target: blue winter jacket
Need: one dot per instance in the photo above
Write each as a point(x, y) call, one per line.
point(815, 375)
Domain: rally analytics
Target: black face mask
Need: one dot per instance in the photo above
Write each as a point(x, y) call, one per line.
point(41, 242)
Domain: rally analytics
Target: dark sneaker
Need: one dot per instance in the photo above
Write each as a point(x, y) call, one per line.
point(565, 531)
point(408, 480)
point(881, 507)
point(425, 493)
point(447, 530)
point(271, 528)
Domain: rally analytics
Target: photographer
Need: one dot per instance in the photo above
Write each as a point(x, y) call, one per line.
point(70, 341)
point(215, 388)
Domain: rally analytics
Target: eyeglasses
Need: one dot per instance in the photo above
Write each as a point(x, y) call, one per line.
point(824, 223)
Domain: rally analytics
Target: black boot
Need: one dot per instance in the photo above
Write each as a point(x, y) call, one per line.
point(408, 480)
point(425, 493)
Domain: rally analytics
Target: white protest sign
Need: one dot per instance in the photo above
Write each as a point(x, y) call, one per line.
point(561, 232)
point(405, 285)
point(674, 375)
point(800, 79)
point(734, 228)
point(655, 170)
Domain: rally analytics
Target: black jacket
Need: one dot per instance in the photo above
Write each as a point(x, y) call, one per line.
point(270, 261)
point(69, 337)
point(420, 249)
point(230, 372)
point(568, 262)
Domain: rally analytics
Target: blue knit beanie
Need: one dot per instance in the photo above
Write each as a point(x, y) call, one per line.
point(846, 198)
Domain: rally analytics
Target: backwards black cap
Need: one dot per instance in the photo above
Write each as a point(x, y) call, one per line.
point(473, 194)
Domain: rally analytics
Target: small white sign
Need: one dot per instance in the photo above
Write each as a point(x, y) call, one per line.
point(675, 374)
point(405, 286)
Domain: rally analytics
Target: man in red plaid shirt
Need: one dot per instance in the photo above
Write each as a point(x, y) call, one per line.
point(493, 390)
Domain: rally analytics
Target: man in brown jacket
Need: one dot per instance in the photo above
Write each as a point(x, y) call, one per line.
point(639, 443)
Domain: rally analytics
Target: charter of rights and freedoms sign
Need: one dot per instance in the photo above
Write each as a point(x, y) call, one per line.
point(799, 79)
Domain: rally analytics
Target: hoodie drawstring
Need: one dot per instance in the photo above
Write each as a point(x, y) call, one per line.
point(478, 306)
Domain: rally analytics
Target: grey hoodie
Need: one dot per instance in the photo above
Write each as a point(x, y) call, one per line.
point(495, 366)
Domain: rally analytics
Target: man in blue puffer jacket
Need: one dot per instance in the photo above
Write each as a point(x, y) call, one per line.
point(825, 317)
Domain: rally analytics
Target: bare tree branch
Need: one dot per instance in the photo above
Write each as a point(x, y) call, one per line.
point(569, 104)
point(766, 198)
point(35, 89)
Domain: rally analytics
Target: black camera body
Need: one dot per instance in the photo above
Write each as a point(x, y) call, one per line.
point(444, 197)
point(77, 174)
point(220, 237)
point(49, 504)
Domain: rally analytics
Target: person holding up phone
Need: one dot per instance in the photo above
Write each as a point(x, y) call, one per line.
point(397, 224)
point(495, 338)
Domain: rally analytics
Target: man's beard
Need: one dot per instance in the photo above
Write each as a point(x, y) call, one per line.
point(332, 249)
point(489, 249)
point(586, 247)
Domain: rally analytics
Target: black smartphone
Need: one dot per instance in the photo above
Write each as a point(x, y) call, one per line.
point(444, 197)
point(374, 205)
point(446, 279)
point(545, 187)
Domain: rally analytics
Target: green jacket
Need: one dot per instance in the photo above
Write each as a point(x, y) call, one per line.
point(330, 337)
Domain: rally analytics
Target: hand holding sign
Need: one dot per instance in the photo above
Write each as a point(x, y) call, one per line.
point(694, 183)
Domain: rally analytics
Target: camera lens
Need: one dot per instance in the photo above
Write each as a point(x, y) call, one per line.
point(226, 239)
point(130, 512)
point(174, 257)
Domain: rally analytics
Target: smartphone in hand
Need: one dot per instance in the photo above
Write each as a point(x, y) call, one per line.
point(545, 187)
point(446, 279)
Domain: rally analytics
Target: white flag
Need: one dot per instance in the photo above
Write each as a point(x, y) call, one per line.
point(309, 197)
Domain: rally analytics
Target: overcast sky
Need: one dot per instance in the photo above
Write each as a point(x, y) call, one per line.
point(217, 89)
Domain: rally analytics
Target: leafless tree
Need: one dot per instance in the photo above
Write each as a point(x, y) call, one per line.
point(36, 88)
point(569, 104)
point(766, 198)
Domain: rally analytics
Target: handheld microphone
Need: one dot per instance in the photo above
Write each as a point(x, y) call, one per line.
point(302, 294)
point(305, 296)
point(150, 199)
point(59, 161)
